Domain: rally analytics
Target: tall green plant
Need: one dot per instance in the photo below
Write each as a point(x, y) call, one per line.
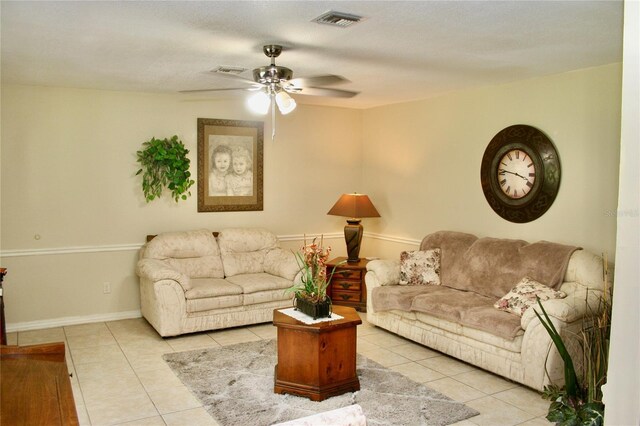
point(164, 164)
point(579, 402)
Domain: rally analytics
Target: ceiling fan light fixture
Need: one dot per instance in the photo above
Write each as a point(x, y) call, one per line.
point(285, 103)
point(259, 102)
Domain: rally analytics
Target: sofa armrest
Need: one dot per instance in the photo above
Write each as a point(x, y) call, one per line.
point(581, 302)
point(156, 270)
point(281, 263)
point(386, 272)
point(380, 272)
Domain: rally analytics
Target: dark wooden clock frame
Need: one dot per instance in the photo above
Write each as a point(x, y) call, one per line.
point(547, 165)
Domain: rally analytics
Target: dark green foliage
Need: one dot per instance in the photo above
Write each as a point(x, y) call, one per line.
point(580, 403)
point(570, 378)
point(164, 164)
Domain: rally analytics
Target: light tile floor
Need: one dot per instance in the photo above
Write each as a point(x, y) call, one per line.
point(119, 377)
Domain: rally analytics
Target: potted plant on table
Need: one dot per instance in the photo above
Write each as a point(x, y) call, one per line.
point(579, 401)
point(310, 293)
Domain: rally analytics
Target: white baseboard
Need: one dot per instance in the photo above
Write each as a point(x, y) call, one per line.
point(64, 321)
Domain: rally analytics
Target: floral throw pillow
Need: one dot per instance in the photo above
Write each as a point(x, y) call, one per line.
point(421, 267)
point(523, 296)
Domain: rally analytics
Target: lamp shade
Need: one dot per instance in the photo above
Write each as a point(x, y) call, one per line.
point(286, 103)
point(354, 206)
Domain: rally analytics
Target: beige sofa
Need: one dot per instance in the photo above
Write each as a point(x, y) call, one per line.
point(458, 316)
point(192, 281)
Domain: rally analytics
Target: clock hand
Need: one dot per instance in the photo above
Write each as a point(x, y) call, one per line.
point(520, 176)
point(503, 171)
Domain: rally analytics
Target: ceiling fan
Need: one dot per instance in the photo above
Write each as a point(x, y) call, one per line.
point(274, 84)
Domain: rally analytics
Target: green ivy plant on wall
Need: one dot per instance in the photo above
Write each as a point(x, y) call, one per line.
point(164, 164)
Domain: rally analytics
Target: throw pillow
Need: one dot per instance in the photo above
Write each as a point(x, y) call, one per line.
point(420, 267)
point(523, 296)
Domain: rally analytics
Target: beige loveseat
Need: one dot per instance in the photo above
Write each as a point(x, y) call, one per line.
point(192, 281)
point(458, 316)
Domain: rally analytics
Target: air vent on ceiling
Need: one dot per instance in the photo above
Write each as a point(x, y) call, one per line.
point(229, 70)
point(338, 19)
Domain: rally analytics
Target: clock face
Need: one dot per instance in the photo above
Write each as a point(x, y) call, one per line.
point(520, 173)
point(516, 174)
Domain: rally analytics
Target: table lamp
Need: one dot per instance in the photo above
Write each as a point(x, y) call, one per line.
point(354, 207)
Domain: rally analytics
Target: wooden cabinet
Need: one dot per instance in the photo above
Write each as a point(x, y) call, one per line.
point(347, 287)
point(35, 385)
point(317, 361)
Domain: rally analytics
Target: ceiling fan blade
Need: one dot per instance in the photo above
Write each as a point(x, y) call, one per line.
point(317, 91)
point(319, 80)
point(212, 90)
point(234, 77)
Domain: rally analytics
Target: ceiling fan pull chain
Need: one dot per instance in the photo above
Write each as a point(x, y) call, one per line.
point(273, 121)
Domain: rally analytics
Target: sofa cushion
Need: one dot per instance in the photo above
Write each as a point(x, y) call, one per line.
point(420, 267)
point(490, 266)
point(212, 293)
point(448, 303)
point(281, 263)
point(498, 323)
point(243, 250)
point(489, 340)
point(524, 294)
point(211, 303)
point(211, 287)
point(267, 296)
point(386, 298)
point(251, 283)
point(468, 309)
point(193, 253)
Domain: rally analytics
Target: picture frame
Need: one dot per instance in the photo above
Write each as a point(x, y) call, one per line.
point(230, 165)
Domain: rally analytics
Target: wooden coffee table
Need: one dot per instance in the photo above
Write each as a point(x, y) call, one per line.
point(317, 361)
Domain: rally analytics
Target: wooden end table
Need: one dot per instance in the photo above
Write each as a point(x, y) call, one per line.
point(317, 361)
point(347, 287)
point(35, 388)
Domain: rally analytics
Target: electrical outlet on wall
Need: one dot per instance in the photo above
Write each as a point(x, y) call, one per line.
point(106, 287)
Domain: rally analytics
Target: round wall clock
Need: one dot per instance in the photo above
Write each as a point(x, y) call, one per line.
point(520, 173)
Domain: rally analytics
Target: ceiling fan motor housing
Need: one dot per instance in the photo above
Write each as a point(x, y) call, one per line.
point(272, 74)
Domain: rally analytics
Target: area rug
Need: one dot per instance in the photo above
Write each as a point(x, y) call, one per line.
point(235, 385)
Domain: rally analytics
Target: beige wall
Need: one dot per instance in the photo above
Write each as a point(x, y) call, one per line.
point(68, 177)
point(68, 166)
point(422, 159)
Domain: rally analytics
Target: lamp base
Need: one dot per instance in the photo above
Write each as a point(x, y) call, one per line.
point(353, 236)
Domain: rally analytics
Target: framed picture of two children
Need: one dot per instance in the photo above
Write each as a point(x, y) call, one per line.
point(230, 157)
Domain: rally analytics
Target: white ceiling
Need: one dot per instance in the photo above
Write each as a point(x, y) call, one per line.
point(404, 50)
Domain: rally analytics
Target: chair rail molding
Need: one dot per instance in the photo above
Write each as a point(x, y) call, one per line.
point(136, 246)
point(69, 250)
point(393, 239)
